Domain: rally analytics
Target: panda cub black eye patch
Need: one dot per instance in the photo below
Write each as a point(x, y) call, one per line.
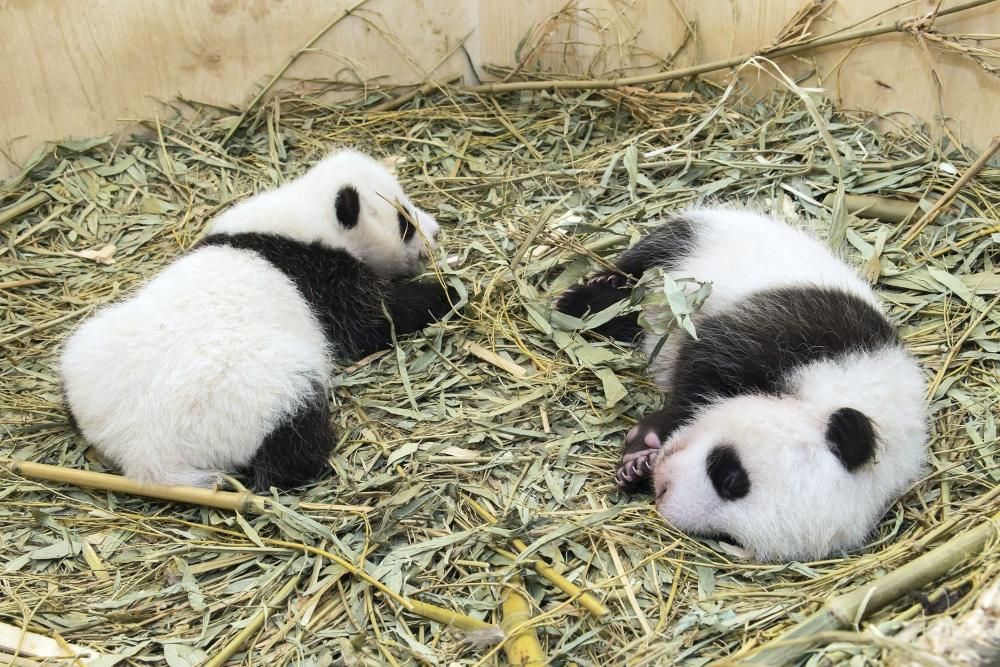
point(348, 207)
point(727, 473)
point(406, 228)
point(852, 437)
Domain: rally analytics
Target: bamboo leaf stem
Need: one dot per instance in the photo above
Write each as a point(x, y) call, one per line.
point(288, 63)
point(952, 192)
point(254, 626)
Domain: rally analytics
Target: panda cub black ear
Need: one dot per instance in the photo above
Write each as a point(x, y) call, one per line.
point(851, 436)
point(348, 206)
point(727, 473)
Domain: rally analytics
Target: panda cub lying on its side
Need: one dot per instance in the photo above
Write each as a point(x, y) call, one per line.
point(222, 361)
point(796, 417)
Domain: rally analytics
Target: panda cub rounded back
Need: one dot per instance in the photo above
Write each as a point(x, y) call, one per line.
point(222, 362)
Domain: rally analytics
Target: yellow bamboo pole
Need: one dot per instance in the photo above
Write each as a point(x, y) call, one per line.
point(586, 600)
point(521, 646)
point(254, 626)
point(237, 502)
point(852, 607)
point(447, 616)
point(245, 502)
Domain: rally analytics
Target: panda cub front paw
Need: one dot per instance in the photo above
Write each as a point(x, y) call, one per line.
point(642, 446)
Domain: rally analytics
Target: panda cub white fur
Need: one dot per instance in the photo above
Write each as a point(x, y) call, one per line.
point(221, 363)
point(796, 417)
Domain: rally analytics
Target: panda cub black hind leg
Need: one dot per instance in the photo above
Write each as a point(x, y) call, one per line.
point(663, 245)
point(297, 449)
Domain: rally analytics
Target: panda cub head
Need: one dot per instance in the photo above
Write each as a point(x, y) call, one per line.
point(779, 477)
point(347, 201)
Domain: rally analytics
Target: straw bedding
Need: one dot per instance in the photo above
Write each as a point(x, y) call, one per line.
point(501, 405)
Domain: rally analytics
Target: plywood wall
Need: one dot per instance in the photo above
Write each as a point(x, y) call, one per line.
point(76, 69)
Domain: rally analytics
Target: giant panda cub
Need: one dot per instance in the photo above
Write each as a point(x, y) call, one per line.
point(796, 417)
point(221, 363)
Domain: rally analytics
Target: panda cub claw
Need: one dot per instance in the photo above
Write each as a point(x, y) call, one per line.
point(609, 279)
point(635, 467)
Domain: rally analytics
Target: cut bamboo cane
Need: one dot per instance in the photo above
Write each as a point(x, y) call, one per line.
point(522, 646)
point(871, 206)
point(448, 617)
point(588, 601)
point(11, 212)
point(850, 608)
point(245, 502)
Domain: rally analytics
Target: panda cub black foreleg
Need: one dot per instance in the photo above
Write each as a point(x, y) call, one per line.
point(411, 306)
point(589, 299)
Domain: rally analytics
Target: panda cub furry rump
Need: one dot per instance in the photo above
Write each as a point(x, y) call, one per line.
point(796, 417)
point(222, 361)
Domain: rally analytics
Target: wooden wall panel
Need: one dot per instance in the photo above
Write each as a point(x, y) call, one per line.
point(73, 69)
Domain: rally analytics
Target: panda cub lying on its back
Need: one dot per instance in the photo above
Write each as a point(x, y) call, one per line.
point(796, 416)
point(222, 361)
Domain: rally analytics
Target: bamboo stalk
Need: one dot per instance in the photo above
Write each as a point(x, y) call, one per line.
point(347, 565)
point(852, 607)
point(952, 192)
point(44, 325)
point(586, 600)
point(989, 231)
point(255, 624)
point(24, 282)
point(11, 212)
point(448, 617)
point(236, 502)
point(872, 206)
point(521, 646)
point(957, 347)
point(425, 89)
point(424, 609)
point(246, 502)
point(543, 220)
point(684, 72)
